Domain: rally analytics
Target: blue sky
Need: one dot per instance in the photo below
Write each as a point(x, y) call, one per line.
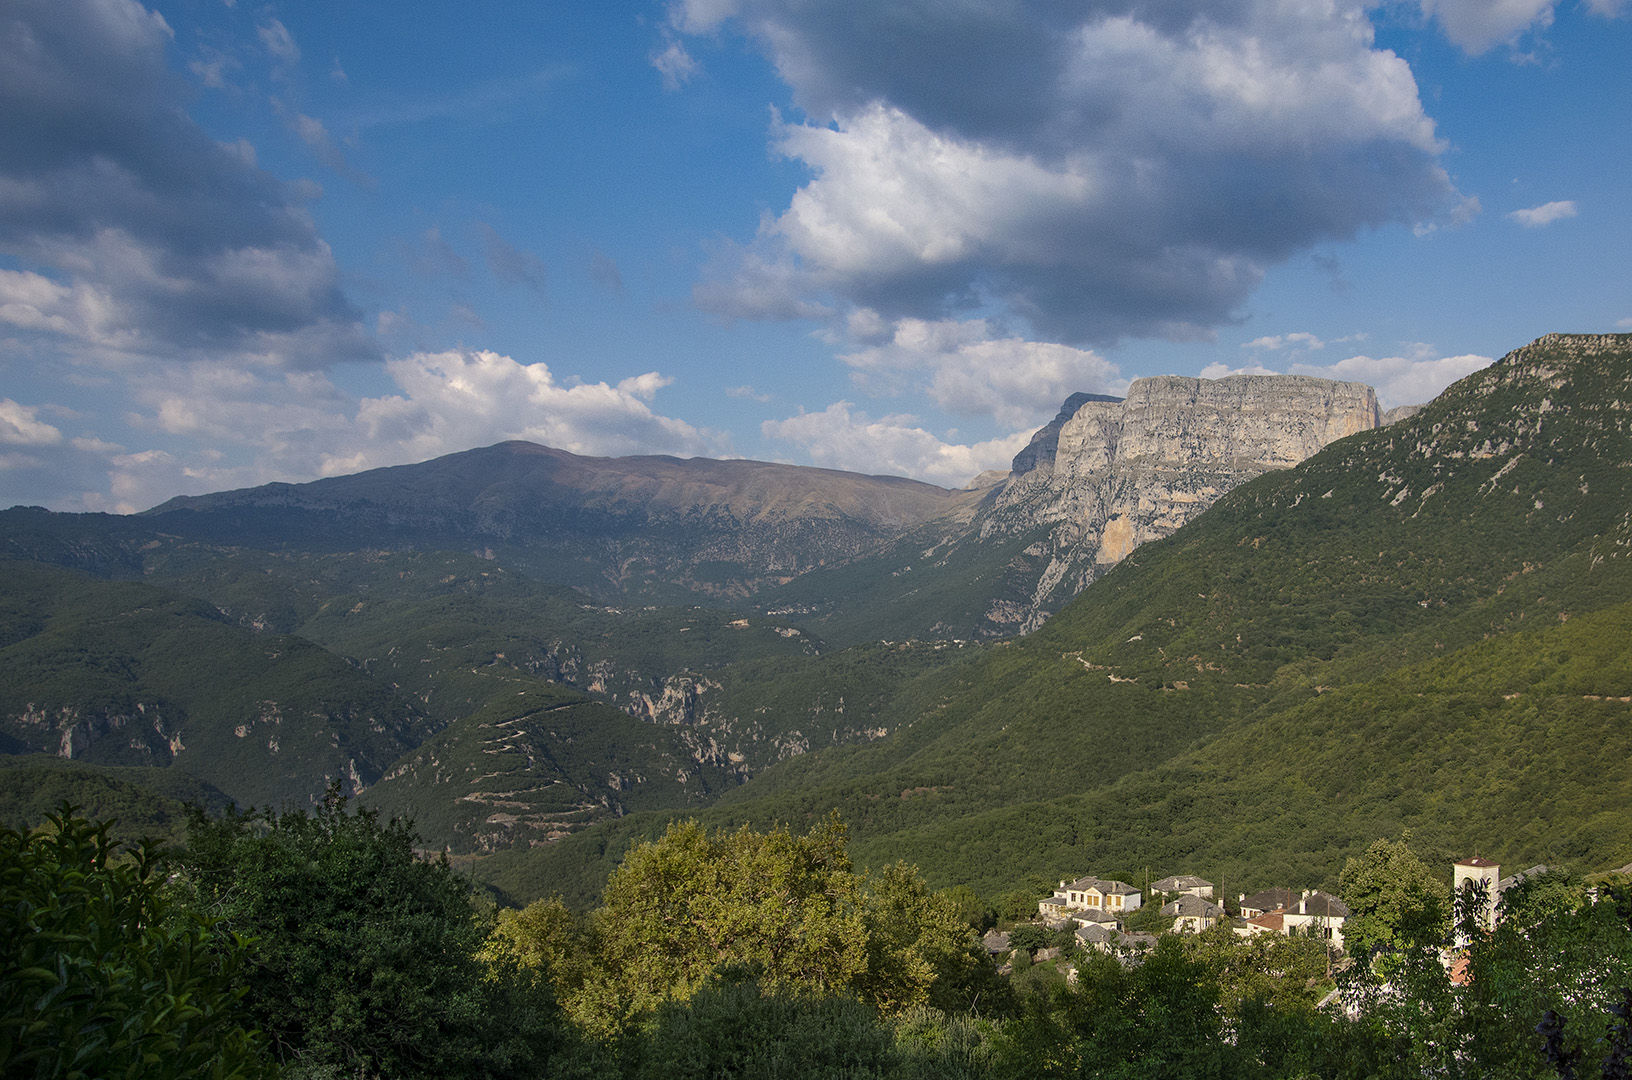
point(243, 242)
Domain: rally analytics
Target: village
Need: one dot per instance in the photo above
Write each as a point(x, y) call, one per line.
point(1097, 912)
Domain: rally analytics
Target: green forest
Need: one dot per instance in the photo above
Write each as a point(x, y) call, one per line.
point(322, 944)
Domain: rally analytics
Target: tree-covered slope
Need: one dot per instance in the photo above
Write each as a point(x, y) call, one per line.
point(123, 673)
point(1314, 661)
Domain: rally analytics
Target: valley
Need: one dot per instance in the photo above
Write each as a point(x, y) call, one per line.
point(1296, 627)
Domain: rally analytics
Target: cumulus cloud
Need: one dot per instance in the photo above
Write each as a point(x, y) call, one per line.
point(840, 438)
point(20, 425)
point(1096, 170)
point(1415, 379)
point(141, 235)
point(1400, 380)
point(966, 369)
point(1275, 342)
point(1545, 214)
point(200, 427)
point(1475, 26)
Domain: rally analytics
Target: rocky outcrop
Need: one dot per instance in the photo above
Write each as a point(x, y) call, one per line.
point(1114, 474)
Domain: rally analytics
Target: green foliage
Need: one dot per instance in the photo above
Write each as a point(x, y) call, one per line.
point(785, 911)
point(739, 1031)
point(1555, 948)
point(1394, 899)
point(104, 973)
point(1030, 937)
point(920, 950)
point(367, 956)
point(783, 906)
point(971, 908)
point(142, 801)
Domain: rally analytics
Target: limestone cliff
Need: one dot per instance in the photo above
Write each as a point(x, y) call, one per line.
point(1115, 474)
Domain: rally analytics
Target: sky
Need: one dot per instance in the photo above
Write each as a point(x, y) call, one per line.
point(245, 242)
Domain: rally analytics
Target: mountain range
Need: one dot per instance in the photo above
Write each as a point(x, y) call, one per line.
point(1297, 626)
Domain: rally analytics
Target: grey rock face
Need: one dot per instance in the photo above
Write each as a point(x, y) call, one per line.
point(1126, 472)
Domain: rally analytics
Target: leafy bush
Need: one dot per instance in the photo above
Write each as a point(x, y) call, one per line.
point(367, 956)
point(105, 974)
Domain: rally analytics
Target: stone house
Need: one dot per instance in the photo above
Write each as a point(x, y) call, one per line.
point(1260, 903)
point(1091, 894)
point(1314, 913)
point(1191, 914)
point(1185, 885)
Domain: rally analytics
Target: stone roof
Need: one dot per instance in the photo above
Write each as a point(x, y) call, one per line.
point(1320, 903)
point(1513, 879)
point(995, 941)
point(1098, 915)
point(1179, 882)
point(1269, 899)
point(1195, 906)
point(1106, 886)
point(1095, 934)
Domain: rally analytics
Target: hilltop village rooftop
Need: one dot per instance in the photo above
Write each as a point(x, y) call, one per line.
point(1096, 907)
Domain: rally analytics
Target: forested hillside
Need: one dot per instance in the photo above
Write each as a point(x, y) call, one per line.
point(1423, 626)
point(1418, 627)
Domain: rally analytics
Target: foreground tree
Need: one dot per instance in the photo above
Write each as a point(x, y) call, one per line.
point(104, 973)
point(1395, 899)
point(1561, 949)
point(367, 955)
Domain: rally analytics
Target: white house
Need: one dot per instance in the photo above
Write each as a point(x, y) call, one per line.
point(1185, 885)
point(1191, 914)
point(1091, 894)
point(1315, 913)
point(1318, 914)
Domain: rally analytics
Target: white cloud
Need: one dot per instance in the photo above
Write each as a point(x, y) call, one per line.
point(458, 399)
point(1217, 370)
point(20, 425)
point(197, 427)
point(142, 236)
point(1624, 324)
point(1475, 26)
point(1400, 380)
point(1275, 342)
point(1545, 214)
point(965, 369)
point(747, 393)
point(1096, 174)
point(279, 42)
point(838, 438)
point(675, 64)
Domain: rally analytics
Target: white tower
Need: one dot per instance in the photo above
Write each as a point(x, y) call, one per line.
point(1477, 869)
